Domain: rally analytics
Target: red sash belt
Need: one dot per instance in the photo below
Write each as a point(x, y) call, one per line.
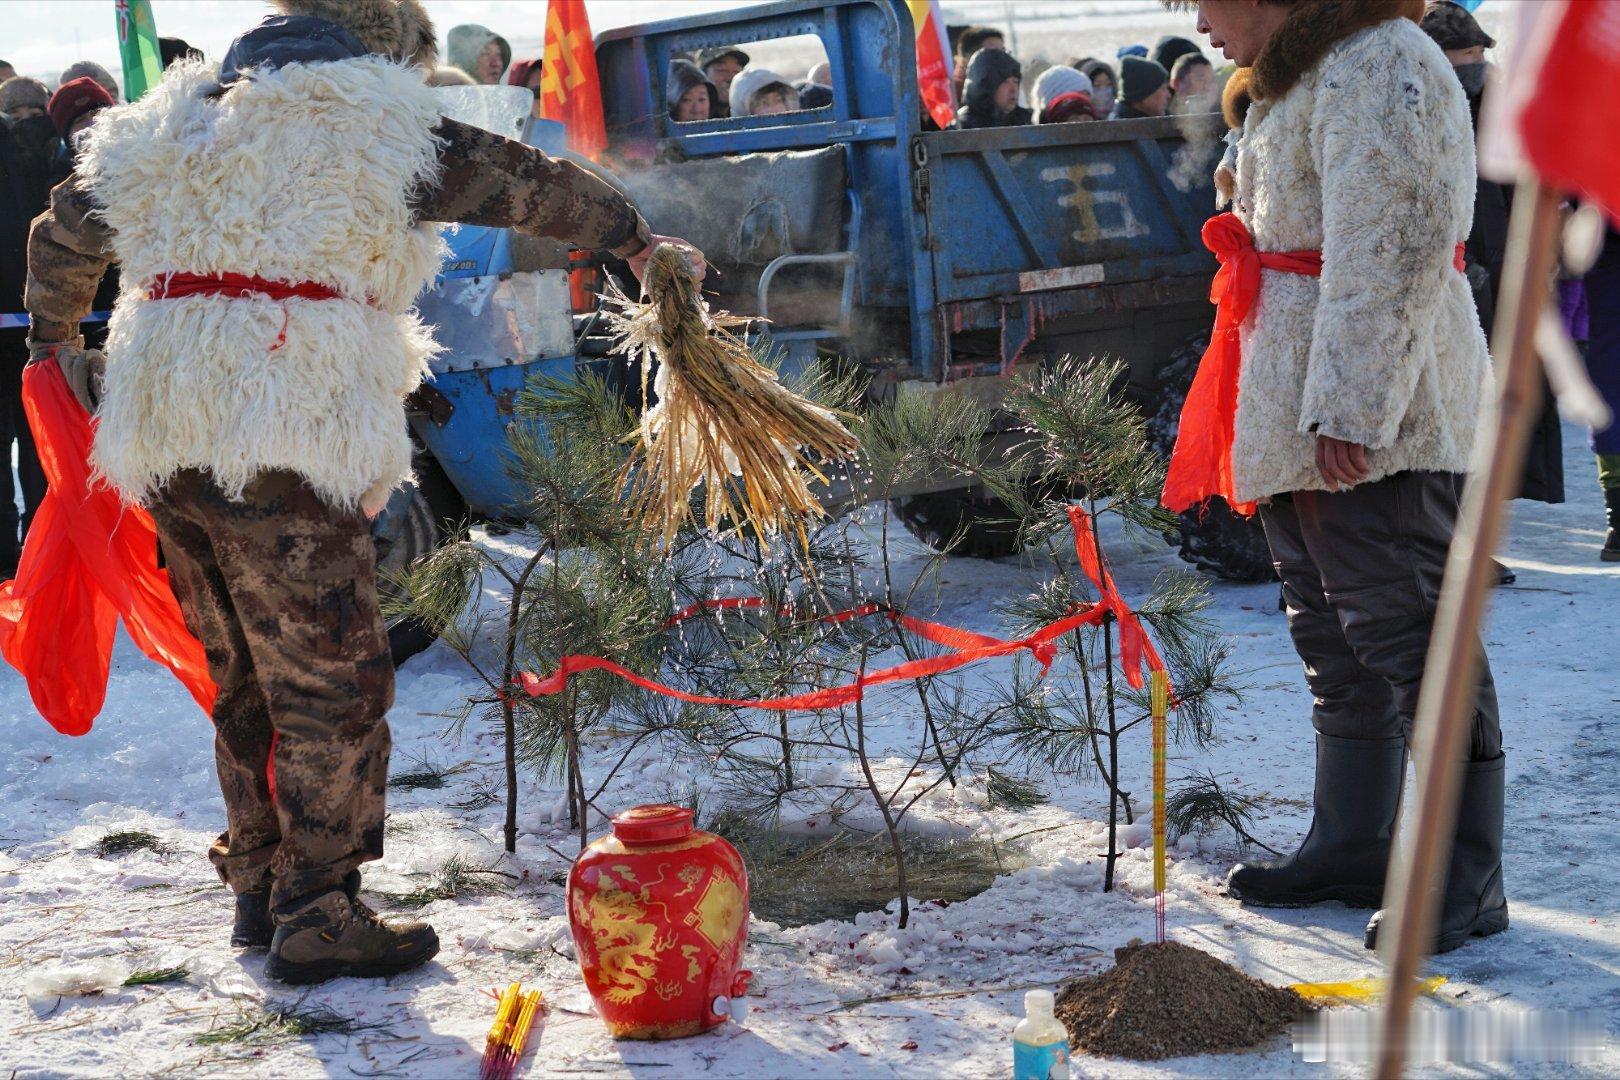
point(175, 286)
point(1201, 464)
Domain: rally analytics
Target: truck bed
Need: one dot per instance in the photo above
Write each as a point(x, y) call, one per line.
point(1077, 238)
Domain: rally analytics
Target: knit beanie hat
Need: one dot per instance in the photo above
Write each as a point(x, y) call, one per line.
point(73, 99)
point(20, 91)
point(1139, 78)
point(1170, 49)
point(1055, 80)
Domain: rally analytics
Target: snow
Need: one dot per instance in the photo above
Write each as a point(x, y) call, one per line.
point(833, 999)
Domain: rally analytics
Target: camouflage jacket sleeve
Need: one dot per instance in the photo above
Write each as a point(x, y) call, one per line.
point(488, 180)
point(69, 249)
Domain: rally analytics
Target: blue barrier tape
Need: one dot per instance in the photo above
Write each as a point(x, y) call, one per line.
point(9, 322)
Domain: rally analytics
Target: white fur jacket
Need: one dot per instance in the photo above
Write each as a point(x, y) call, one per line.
point(299, 175)
point(1369, 158)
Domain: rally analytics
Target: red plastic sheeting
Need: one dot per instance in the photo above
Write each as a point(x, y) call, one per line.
point(90, 559)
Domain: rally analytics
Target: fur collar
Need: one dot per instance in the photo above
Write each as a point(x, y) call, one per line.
point(399, 29)
point(1312, 28)
point(1235, 97)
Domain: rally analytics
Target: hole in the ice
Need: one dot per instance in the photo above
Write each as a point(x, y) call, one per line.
point(795, 879)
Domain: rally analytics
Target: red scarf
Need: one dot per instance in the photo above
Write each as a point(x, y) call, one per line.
point(1201, 464)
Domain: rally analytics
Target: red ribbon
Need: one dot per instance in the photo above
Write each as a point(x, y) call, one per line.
point(239, 286)
point(966, 646)
point(1134, 645)
point(1201, 464)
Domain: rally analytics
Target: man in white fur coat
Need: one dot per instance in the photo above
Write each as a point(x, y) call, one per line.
point(1359, 388)
point(273, 218)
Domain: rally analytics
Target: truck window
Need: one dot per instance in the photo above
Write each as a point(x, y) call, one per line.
point(755, 78)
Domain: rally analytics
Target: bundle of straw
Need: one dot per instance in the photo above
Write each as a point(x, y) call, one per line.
point(722, 419)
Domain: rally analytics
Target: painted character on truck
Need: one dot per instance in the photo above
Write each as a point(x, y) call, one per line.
point(251, 396)
point(1351, 173)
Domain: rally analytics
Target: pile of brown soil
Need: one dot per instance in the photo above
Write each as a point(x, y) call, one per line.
point(1171, 1000)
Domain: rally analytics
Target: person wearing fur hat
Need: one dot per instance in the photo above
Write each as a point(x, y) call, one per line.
point(1144, 89)
point(1360, 373)
point(252, 398)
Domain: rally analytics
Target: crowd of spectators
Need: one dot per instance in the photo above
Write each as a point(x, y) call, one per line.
point(988, 82)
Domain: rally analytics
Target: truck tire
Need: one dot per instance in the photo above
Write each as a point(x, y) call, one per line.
point(1216, 541)
point(983, 521)
point(418, 520)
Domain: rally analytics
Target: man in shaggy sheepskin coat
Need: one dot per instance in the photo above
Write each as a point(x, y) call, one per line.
point(1358, 395)
point(273, 217)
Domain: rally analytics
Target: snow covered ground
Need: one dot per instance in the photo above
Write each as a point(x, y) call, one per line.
point(148, 765)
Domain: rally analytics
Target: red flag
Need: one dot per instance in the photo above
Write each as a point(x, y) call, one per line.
point(933, 61)
point(1567, 138)
point(569, 88)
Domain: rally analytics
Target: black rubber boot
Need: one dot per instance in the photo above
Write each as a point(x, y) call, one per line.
point(1475, 905)
point(1346, 853)
point(253, 928)
point(1611, 544)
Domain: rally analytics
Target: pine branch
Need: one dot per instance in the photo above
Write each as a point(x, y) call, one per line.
point(1199, 804)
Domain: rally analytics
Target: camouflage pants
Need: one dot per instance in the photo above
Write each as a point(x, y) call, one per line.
point(281, 589)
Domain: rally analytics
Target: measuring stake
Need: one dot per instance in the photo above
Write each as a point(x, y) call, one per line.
point(1161, 709)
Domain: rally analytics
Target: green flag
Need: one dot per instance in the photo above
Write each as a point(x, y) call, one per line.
point(138, 44)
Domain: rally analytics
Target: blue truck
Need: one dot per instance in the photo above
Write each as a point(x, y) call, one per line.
point(934, 260)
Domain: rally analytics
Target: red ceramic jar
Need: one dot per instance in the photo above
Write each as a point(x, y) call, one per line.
point(659, 912)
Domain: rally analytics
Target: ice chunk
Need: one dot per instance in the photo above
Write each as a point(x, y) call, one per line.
point(78, 977)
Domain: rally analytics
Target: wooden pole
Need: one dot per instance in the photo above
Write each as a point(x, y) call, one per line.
point(1446, 702)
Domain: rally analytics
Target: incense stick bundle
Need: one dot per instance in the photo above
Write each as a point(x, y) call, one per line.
point(722, 421)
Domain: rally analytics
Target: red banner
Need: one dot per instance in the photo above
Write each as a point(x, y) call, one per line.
point(1571, 142)
point(569, 88)
point(933, 61)
point(965, 646)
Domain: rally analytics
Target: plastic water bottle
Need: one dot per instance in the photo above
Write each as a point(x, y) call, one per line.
point(1040, 1043)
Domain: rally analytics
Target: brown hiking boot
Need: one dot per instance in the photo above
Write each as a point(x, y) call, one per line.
point(330, 936)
